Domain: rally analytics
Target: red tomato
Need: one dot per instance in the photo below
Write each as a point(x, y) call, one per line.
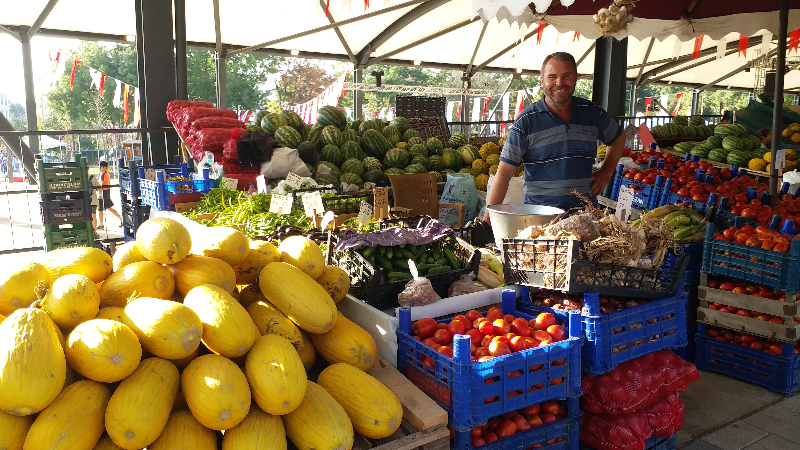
point(521, 423)
point(442, 337)
point(482, 352)
point(518, 344)
point(520, 327)
point(548, 417)
point(467, 322)
point(498, 348)
point(535, 421)
point(549, 406)
point(757, 346)
point(456, 327)
point(543, 337)
point(490, 437)
point(506, 429)
point(478, 442)
point(726, 286)
point(486, 327)
point(713, 284)
point(493, 314)
point(557, 333)
point(501, 326)
point(473, 315)
point(476, 432)
point(424, 328)
point(543, 321)
point(744, 312)
point(475, 337)
point(530, 410)
point(531, 343)
point(446, 351)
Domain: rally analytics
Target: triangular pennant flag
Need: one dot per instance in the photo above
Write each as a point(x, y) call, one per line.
point(794, 40)
point(698, 45)
point(117, 102)
point(721, 47)
point(766, 41)
point(75, 64)
point(102, 88)
point(520, 102)
point(137, 113)
point(676, 50)
point(576, 37)
point(125, 105)
point(347, 4)
point(678, 105)
point(539, 32)
point(95, 75)
point(743, 41)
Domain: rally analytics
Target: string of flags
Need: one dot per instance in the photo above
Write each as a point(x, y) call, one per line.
point(744, 44)
point(329, 97)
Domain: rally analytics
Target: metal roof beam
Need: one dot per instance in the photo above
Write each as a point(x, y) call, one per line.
point(400, 24)
point(477, 46)
point(502, 52)
point(644, 60)
point(339, 34)
point(585, 54)
point(691, 66)
point(6, 30)
point(433, 36)
point(702, 88)
point(42, 17)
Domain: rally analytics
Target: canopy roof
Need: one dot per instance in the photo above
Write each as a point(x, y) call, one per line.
point(448, 33)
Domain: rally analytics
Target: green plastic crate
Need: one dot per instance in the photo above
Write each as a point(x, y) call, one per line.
point(62, 176)
point(79, 234)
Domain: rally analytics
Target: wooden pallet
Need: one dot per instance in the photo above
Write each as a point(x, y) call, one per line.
point(407, 438)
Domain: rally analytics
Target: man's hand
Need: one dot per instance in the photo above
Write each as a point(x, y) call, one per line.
point(600, 179)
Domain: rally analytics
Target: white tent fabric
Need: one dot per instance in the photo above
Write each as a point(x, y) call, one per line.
point(245, 23)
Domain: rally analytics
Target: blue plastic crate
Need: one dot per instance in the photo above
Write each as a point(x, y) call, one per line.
point(670, 198)
point(459, 385)
point(129, 173)
point(566, 429)
point(780, 374)
point(163, 195)
point(128, 234)
point(646, 196)
point(611, 339)
point(654, 443)
point(770, 268)
point(133, 212)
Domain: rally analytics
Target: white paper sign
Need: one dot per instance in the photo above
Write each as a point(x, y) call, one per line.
point(369, 185)
point(280, 204)
point(780, 159)
point(327, 219)
point(261, 184)
point(624, 201)
point(631, 131)
point(312, 202)
point(294, 181)
point(229, 183)
point(150, 174)
point(365, 213)
point(381, 204)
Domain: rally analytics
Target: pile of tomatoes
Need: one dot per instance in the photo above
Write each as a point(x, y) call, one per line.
point(787, 207)
point(684, 182)
point(566, 302)
point(747, 340)
point(643, 158)
point(761, 237)
point(745, 287)
point(518, 421)
point(492, 335)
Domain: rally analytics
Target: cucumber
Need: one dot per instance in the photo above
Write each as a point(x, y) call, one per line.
point(441, 262)
point(367, 252)
point(396, 276)
point(407, 254)
point(439, 269)
point(436, 251)
point(384, 262)
point(431, 259)
point(400, 264)
point(451, 259)
point(389, 253)
point(381, 250)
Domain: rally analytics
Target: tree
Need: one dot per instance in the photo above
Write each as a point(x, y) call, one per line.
point(17, 116)
point(301, 80)
point(245, 76)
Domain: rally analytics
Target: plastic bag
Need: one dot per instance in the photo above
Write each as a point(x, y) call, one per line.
point(284, 160)
point(347, 187)
point(418, 292)
point(793, 178)
point(282, 189)
point(615, 431)
point(466, 285)
point(665, 415)
point(459, 188)
point(581, 225)
point(514, 195)
point(215, 169)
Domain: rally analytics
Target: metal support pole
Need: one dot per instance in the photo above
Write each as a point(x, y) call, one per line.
point(30, 97)
point(18, 148)
point(358, 95)
point(146, 159)
point(610, 67)
point(797, 99)
point(222, 90)
point(695, 100)
point(632, 106)
point(780, 73)
point(464, 109)
point(181, 72)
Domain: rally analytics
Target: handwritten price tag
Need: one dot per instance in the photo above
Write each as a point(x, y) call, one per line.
point(624, 202)
point(280, 204)
point(381, 204)
point(312, 203)
point(365, 213)
point(151, 174)
point(631, 131)
point(294, 181)
point(780, 159)
point(261, 184)
point(229, 183)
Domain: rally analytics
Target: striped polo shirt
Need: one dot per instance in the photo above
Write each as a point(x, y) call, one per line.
point(558, 157)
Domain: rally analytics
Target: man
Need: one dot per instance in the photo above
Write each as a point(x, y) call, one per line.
point(105, 203)
point(556, 138)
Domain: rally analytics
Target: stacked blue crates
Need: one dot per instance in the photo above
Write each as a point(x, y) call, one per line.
point(65, 204)
point(473, 392)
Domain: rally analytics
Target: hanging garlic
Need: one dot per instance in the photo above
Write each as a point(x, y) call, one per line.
point(603, 13)
point(630, 18)
point(613, 9)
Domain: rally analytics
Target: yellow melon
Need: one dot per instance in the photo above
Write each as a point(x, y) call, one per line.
point(276, 374)
point(163, 240)
point(74, 419)
point(139, 279)
point(13, 430)
point(225, 243)
point(2, 318)
point(183, 362)
point(270, 320)
point(259, 430)
point(125, 254)
point(32, 362)
point(298, 296)
point(103, 350)
point(308, 354)
point(71, 300)
point(335, 281)
point(319, 422)
point(184, 432)
point(261, 253)
point(18, 287)
point(228, 329)
point(116, 313)
point(198, 270)
point(180, 402)
point(374, 409)
point(250, 294)
point(304, 254)
point(216, 391)
point(105, 443)
point(166, 329)
point(141, 404)
point(90, 262)
point(347, 343)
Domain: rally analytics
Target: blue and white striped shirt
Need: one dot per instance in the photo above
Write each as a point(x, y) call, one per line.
point(558, 157)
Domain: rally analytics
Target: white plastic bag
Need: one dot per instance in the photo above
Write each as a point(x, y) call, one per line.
point(214, 169)
point(793, 178)
point(514, 194)
point(284, 160)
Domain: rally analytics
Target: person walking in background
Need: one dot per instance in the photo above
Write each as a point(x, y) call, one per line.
point(94, 184)
point(765, 135)
point(105, 203)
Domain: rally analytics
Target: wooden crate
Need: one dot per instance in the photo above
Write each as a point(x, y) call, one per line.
point(787, 331)
point(407, 438)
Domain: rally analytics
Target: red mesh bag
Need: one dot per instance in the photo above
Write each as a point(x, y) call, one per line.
point(634, 384)
point(665, 415)
point(212, 139)
point(234, 167)
point(174, 107)
point(615, 431)
point(229, 151)
point(216, 122)
point(193, 113)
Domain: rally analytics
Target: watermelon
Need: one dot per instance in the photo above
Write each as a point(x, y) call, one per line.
point(418, 150)
point(391, 134)
point(271, 122)
point(401, 123)
point(308, 152)
point(414, 140)
point(379, 124)
point(451, 159)
point(394, 171)
point(700, 151)
point(436, 163)
point(353, 166)
point(328, 167)
point(410, 134)
point(435, 146)
point(324, 180)
point(256, 118)
point(315, 137)
point(696, 120)
point(374, 144)
point(422, 161)
point(331, 153)
point(680, 120)
point(441, 177)
point(351, 149)
point(331, 136)
point(331, 115)
point(415, 168)
point(356, 126)
point(726, 129)
point(469, 154)
point(376, 176)
point(292, 119)
point(367, 125)
point(732, 143)
point(738, 158)
point(304, 130)
point(349, 135)
point(311, 169)
point(718, 155)
point(396, 158)
point(371, 164)
point(288, 136)
point(457, 140)
point(713, 141)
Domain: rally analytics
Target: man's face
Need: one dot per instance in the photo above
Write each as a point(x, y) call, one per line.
point(558, 81)
point(103, 169)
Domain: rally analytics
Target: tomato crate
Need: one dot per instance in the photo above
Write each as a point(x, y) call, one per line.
point(66, 207)
point(163, 195)
point(770, 268)
point(473, 392)
point(778, 373)
point(611, 339)
point(562, 265)
point(57, 236)
point(671, 198)
point(724, 218)
point(646, 196)
point(129, 173)
point(62, 176)
point(654, 443)
point(565, 431)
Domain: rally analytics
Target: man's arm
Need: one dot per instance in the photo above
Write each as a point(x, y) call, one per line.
point(601, 177)
point(499, 186)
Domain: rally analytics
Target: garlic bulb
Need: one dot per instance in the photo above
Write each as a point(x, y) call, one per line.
point(613, 9)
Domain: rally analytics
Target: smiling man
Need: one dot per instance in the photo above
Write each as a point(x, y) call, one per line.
point(556, 139)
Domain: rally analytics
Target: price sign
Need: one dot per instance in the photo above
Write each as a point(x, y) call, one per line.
point(312, 203)
point(229, 183)
point(780, 159)
point(631, 131)
point(294, 181)
point(364, 213)
point(280, 204)
point(261, 184)
point(369, 185)
point(151, 174)
point(645, 135)
point(381, 204)
point(624, 202)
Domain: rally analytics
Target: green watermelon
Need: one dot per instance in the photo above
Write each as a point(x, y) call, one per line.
point(422, 161)
point(401, 123)
point(410, 134)
point(315, 137)
point(311, 169)
point(256, 118)
point(356, 126)
point(371, 164)
point(308, 152)
point(435, 146)
point(391, 134)
point(353, 166)
point(418, 150)
point(469, 154)
point(349, 135)
point(738, 158)
point(367, 125)
point(292, 119)
point(441, 177)
point(396, 158)
point(332, 154)
point(436, 163)
point(333, 168)
point(696, 120)
point(726, 129)
point(680, 120)
point(732, 143)
point(324, 180)
point(451, 159)
point(331, 136)
point(718, 155)
point(374, 144)
point(457, 140)
point(700, 151)
point(351, 149)
point(288, 136)
point(713, 141)
point(415, 168)
point(414, 140)
point(402, 145)
point(304, 130)
point(331, 115)
point(271, 122)
point(377, 177)
point(394, 171)
point(755, 143)
point(379, 124)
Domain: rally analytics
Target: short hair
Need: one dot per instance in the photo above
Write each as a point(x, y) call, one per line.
point(560, 56)
point(103, 163)
point(762, 133)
